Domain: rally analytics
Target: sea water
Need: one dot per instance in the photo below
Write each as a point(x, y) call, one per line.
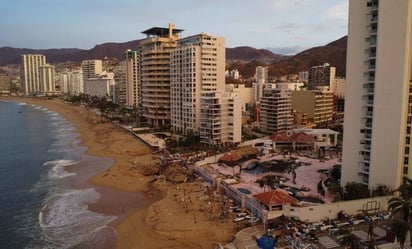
point(38, 207)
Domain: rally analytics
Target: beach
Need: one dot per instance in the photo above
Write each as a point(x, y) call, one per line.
point(150, 215)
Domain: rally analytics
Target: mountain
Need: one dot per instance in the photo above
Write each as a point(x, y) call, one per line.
point(9, 55)
point(333, 53)
point(245, 59)
point(251, 54)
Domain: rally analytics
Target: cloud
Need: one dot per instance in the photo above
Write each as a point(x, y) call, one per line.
point(338, 12)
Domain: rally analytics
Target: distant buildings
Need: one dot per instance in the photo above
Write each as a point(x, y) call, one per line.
point(378, 96)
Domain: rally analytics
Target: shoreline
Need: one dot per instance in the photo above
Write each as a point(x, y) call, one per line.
point(121, 187)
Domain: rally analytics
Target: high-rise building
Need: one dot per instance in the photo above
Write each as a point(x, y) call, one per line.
point(101, 86)
point(197, 66)
point(378, 96)
point(221, 118)
point(75, 82)
point(317, 104)
point(155, 53)
point(261, 76)
point(30, 72)
point(120, 83)
point(322, 75)
point(276, 109)
point(47, 79)
point(91, 68)
point(133, 90)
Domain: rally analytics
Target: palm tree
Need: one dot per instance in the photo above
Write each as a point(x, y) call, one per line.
point(405, 188)
point(400, 228)
point(401, 208)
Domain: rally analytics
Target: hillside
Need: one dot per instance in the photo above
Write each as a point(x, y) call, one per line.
point(248, 54)
point(333, 53)
point(245, 59)
point(10, 55)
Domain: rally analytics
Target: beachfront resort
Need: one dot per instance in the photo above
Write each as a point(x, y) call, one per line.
point(277, 190)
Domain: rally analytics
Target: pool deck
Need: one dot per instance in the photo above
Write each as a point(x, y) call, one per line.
point(307, 176)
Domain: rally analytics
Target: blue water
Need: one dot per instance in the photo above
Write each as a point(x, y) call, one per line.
point(38, 208)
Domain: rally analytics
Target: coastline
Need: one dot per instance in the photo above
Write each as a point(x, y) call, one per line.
point(148, 216)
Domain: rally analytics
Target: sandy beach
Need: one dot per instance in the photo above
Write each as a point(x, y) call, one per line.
point(158, 215)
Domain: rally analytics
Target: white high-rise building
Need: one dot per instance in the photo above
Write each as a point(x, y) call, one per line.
point(197, 66)
point(47, 79)
point(221, 118)
point(261, 76)
point(133, 90)
point(378, 96)
point(75, 82)
point(101, 86)
point(30, 72)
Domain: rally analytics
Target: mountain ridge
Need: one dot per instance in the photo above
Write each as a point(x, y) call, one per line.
point(243, 58)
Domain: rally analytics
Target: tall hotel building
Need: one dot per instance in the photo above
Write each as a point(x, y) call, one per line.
point(197, 67)
point(91, 69)
point(276, 109)
point(378, 96)
point(155, 53)
point(30, 72)
point(133, 93)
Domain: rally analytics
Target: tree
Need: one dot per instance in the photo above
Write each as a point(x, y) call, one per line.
point(355, 190)
point(400, 229)
point(401, 208)
point(405, 189)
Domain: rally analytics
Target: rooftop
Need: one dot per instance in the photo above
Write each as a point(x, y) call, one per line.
point(162, 32)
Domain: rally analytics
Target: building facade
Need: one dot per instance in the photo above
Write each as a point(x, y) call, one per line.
point(91, 68)
point(120, 83)
point(30, 73)
point(276, 110)
point(221, 118)
point(155, 53)
point(378, 96)
point(133, 90)
point(101, 86)
point(47, 79)
point(317, 104)
point(197, 66)
point(320, 76)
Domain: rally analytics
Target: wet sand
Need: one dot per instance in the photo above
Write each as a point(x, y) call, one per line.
point(149, 216)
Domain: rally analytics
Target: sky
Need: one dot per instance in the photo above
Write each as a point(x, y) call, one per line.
point(283, 26)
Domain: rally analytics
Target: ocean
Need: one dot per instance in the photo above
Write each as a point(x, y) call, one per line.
point(39, 207)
